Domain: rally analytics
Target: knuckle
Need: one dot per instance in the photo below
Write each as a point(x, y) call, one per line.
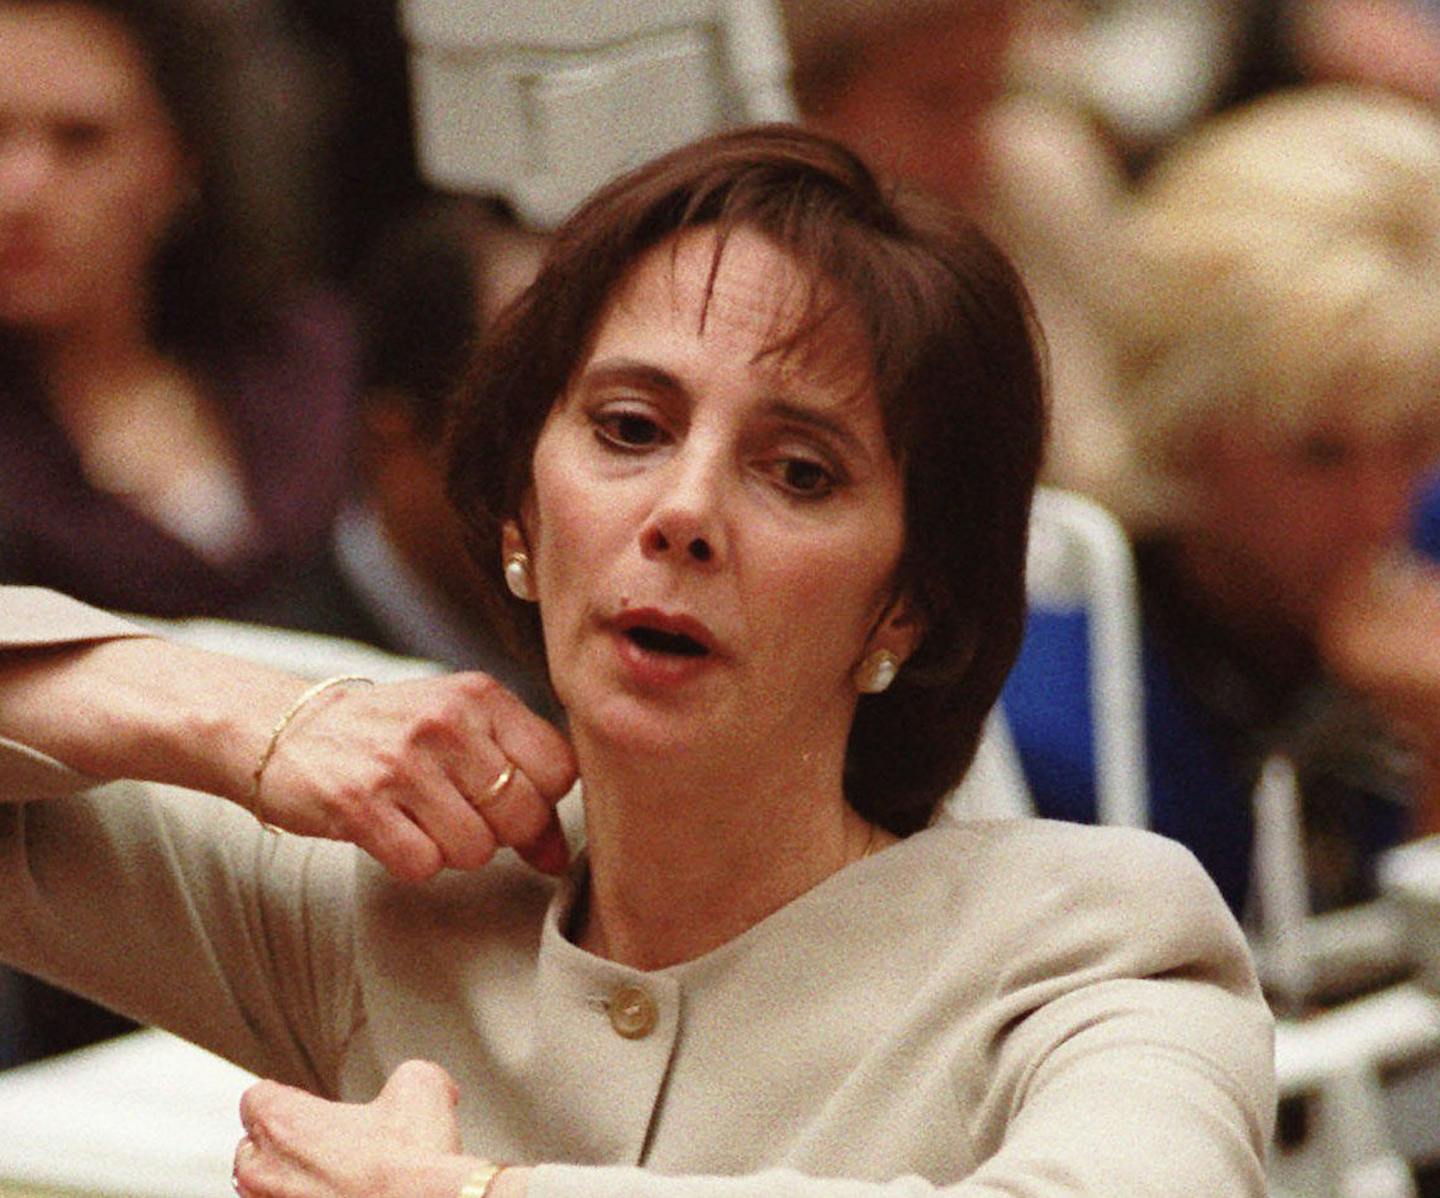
point(429, 726)
point(429, 1074)
point(415, 864)
point(474, 685)
point(364, 820)
point(474, 851)
point(268, 1127)
point(259, 1099)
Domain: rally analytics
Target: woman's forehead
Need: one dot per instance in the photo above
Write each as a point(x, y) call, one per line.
point(752, 297)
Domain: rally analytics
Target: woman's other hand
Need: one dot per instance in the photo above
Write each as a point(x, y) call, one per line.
point(407, 1141)
point(422, 774)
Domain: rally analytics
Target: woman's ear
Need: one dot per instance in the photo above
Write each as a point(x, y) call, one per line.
point(900, 630)
point(512, 540)
point(897, 634)
point(515, 561)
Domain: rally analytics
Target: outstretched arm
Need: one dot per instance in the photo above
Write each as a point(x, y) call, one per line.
point(404, 770)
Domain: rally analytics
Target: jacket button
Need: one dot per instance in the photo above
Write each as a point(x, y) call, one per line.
point(632, 1012)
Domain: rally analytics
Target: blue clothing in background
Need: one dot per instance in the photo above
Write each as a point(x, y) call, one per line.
point(1196, 797)
point(1425, 524)
point(1204, 750)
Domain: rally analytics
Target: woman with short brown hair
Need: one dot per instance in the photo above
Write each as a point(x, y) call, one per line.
point(743, 442)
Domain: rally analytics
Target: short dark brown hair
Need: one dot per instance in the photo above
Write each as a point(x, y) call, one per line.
point(956, 370)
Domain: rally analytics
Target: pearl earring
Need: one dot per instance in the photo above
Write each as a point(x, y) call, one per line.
point(517, 575)
point(876, 672)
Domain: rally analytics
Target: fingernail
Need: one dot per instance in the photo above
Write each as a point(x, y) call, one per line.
point(552, 853)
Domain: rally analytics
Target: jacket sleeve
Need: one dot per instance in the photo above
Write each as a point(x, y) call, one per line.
point(179, 910)
point(32, 617)
point(35, 618)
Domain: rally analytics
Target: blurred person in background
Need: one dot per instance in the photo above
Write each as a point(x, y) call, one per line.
point(922, 88)
point(429, 287)
point(1280, 363)
point(1384, 43)
point(173, 399)
point(176, 394)
point(1147, 71)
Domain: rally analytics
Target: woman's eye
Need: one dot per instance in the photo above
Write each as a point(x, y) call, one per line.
point(628, 430)
point(804, 477)
point(78, 137)
point(1321, 452)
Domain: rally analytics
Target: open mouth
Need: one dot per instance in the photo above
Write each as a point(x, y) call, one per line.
point(653, 640)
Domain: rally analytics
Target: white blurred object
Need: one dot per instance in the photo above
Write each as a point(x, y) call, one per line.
point(1298, 954)
point(1153, 69)
point(309, 654)
point(1410, 879)
point(1279, 895)
point(1364, 1118)
point(143, 1115)
point(1079, 558)
point(541, 102)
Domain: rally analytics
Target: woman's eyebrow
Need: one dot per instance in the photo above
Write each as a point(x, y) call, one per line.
point(634, 372)
point(821, 421)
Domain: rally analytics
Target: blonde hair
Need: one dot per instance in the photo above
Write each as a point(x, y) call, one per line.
point(1286, 279)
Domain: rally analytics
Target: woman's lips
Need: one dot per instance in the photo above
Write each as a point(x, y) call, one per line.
point(660, 648)
point(666, 631)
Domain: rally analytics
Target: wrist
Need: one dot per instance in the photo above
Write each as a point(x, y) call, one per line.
point(307, 698)
point(489, 1179)
point(234, 723)
point(438, 1175)
point(511, 1182)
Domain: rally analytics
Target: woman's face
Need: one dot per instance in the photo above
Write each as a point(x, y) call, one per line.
point(91, 168)
point(715, 530)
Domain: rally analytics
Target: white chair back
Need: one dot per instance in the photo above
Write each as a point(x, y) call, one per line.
point(1079, 557)
point(1301, 955)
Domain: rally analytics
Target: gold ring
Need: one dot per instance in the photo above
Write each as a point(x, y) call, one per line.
point(497, 788)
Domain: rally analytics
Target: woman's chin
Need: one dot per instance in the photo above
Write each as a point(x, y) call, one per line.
point(643, 729)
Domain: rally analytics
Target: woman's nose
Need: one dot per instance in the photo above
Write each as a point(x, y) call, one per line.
point(687, 519)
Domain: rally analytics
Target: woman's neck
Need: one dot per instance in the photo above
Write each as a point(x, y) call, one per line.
point(684, 858)
point(81, 361)
point(144, 429)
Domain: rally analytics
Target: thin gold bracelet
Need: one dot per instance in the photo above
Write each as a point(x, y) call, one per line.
point(252, 800)
point(478, 1184)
